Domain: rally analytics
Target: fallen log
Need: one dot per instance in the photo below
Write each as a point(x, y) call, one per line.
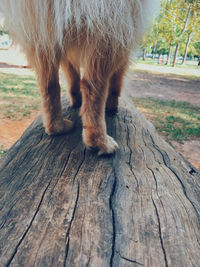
point(62, 205)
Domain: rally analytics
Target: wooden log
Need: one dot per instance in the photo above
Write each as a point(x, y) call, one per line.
point(62, 205)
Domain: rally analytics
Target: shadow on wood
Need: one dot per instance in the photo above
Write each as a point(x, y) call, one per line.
point(61, 205)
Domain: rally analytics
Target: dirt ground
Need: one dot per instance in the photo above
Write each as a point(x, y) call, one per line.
point(169, 87)
point(142, 84)
point(165, 86)
point(11, 131)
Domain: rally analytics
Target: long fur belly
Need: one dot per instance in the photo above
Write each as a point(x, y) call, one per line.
point(49, 24)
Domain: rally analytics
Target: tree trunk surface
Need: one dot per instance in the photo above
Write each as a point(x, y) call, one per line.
point(159, 58)
point(169, 54)
point(186, 48)
point(144, 54)
point(62, 205)
point(182, 32)
point(175, 55)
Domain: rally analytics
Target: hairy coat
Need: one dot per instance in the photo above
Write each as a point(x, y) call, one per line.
point(95, 35)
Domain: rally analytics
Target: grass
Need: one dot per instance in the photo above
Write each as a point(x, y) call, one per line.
point(177, 121)
point(2, 151)
point(150, 61)
point(19, 96)
point(151, 66)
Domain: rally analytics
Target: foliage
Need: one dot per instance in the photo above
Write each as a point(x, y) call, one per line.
point(197, 48)
point(178, 21)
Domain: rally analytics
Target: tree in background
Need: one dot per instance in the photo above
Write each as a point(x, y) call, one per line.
point(168, 23)
point(197, 48)
point(176, 26)
point(184, 11)
point(193, 32)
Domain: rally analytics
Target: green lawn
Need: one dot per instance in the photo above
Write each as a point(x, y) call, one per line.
point(177, 121)
point(19, 96)
point(2, 151)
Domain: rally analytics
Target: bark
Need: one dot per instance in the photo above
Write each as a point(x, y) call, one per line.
point(144, 54)
point(62, 205)
point(169, 54)
point(153, 53)
point(181, 35)
point(186, 48)
point(175, 55)
point(159, 58)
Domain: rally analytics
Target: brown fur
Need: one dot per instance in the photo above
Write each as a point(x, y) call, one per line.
point(115, 90)
point(97, 44)
point(99, 88)
point(73, 78)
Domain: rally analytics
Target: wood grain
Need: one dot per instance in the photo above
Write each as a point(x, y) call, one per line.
point(62, 205)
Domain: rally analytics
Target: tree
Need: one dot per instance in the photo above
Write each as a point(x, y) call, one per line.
point(177, 24)
point(197, 49)
point(168, 22)
point(189, 38)
point(183, 27)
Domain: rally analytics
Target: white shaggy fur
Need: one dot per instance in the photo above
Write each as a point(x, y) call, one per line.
point(122, 22)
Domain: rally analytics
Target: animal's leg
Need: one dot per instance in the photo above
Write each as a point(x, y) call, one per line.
point(48, 78)
point(73, 78)
point(94, 94)
point(115, 90)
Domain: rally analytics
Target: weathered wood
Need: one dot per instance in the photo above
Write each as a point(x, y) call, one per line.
point(62, 205)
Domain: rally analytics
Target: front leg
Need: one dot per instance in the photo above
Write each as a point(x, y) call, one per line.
point(93, 117)
point(114, 90)
point(53, 120)
point(73, 78)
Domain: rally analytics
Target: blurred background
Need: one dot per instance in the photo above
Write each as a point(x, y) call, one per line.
point(174, 38)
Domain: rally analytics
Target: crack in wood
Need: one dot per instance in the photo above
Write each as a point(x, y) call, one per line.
point(127, 143)
point(60, 175)
point(158, 217)
point(13, 173)
point(16, 151)
point(130, 156)
point(65, 165)
point(66, 252)
point(160, 232)
point(185, 192)
point(154, 177)
point(89, 259)
point(164, 155)
point(189, 216)
point(16, 200)
point(29, 226)
point(111, 200)
point(67, 236)
point(130, 260)
point(80, 165)
point(192, 171)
